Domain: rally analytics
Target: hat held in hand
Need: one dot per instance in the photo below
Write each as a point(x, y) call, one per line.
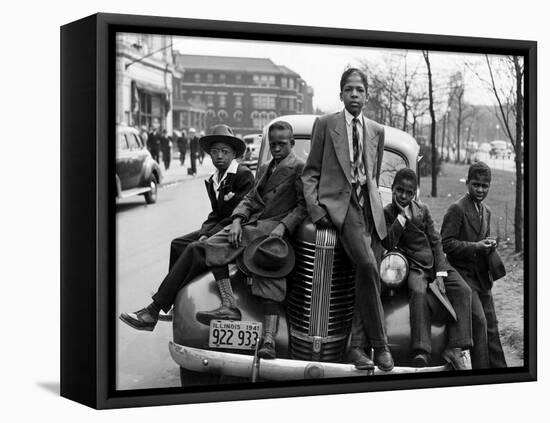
point(269, 256)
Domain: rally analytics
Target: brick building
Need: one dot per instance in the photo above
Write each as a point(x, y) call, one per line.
point(244, 93)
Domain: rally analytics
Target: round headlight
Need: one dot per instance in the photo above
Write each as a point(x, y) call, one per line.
point(393, 269)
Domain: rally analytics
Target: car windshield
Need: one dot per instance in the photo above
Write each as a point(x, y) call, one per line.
point(391, 162)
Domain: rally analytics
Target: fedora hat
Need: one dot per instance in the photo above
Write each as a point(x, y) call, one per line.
point(223, 133)
point(269, 256)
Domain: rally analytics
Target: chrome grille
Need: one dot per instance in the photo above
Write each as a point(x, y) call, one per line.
point(320, 302)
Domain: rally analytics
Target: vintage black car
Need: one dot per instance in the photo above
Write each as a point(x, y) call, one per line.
point(136, 171)
point(315, 322)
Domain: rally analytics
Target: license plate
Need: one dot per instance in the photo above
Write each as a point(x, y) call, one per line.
point(234, 334)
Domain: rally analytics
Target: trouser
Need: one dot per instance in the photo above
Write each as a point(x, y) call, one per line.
point(459, 294)
point(182, 157)
point(188, 265)
point(178, 246)
point(193, 159)
point(356, 239)
point(487, 351)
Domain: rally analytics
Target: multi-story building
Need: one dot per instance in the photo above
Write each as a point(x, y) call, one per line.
point(144, 72)
point(244, 93)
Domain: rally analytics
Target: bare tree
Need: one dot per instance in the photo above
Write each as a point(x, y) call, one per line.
point(506, 83)
point(426, 55)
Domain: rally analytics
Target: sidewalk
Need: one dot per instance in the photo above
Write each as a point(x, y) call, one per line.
point(177, 173)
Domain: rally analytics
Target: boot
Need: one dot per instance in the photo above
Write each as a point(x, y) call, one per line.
point(227, 311)
point(267, 350)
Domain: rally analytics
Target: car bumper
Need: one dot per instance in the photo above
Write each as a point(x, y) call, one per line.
point(246, 366)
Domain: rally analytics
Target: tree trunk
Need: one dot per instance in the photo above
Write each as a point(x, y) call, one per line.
point(432, 132)
point(518, 212)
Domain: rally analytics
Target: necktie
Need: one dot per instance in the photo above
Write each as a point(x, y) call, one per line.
point(357, 166)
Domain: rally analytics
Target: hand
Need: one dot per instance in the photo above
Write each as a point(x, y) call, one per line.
point(485, 245)
point(324, 222)
point(203, 238)
point(440, 282)
point(235, 233)
point(279, 231)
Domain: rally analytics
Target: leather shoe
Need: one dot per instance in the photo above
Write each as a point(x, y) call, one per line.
point(456, 358)
point(420, 359)
point(141, 320)
point(383, 358)
point(359, 359)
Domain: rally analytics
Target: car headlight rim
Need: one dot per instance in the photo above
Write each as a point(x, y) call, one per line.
point(394, 269)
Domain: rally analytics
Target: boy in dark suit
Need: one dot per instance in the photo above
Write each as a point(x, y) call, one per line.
point(226, 188)
point(411, 231)
point(465, 234)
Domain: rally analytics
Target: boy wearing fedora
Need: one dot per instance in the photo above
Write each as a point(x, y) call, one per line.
point(226, 188)
point(268, 214)
point(465, 235)
point(411, 231)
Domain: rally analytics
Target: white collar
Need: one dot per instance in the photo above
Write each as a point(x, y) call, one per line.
point(231, 169)
point(350, 117)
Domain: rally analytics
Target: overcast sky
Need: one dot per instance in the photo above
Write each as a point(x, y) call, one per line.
point(321, 66)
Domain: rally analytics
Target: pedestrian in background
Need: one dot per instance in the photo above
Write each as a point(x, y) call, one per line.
point(182, 146)
point(193, 151)
point(153, 144)
point(201, 151)
point(166, 148)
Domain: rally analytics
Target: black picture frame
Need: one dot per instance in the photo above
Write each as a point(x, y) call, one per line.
point(87, 208)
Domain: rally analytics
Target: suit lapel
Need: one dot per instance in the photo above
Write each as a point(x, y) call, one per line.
point(281, 172)
point(339, 138)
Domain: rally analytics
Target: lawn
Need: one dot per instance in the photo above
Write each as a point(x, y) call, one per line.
point(508, 291)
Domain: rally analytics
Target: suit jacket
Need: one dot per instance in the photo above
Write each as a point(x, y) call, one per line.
point(327, 174)
point(232, 190)
point(417, 240)
point(461, 229)
point(279, 199)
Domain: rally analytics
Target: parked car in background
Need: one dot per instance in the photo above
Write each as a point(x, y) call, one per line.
point(136, 171)
point(315, 320)
point(250, 156)
point(500, 150)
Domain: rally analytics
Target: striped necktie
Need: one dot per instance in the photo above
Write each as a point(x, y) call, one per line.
point(358, 167)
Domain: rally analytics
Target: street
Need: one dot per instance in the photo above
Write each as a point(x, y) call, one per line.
point(144, 233)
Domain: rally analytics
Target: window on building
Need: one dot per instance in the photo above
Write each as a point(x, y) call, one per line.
point(284, 104)
point(238, 101)
point(222, 100)
point(198, 78)
point(263, 102)
point(197, 98)
point(283, 82)
point(222, 115)
point(271, 80)
point(209, 78)
point(209, 100)
point(238, 116)
point(272, 115)
point(256, 79)
point(222, 78)
point(238, 78)
point(291, 83)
